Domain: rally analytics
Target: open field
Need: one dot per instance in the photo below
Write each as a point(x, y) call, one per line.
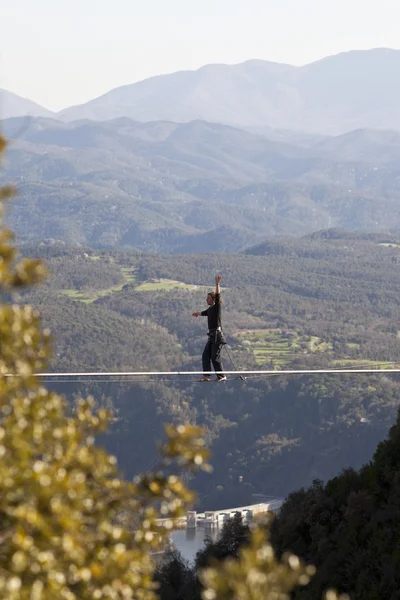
point(110, 259)
point(363, 363)
point(166, 285)
point(279, 347)
point(89, 296)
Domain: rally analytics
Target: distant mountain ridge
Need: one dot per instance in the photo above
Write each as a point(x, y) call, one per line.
point(368, 145)
point(185, 187)
point(351, 90)
point(13, 105)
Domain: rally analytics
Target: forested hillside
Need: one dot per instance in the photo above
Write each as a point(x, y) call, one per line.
point(349, 528)
point(193, 187)
point(327, 300)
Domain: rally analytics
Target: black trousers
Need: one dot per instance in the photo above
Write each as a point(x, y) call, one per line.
point(212, 353)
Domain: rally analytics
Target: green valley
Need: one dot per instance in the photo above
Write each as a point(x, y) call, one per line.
point(325, 301)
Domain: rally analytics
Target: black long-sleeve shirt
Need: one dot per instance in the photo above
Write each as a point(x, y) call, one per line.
point(213, 314)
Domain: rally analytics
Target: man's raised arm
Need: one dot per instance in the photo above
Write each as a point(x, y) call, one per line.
point(217, 284)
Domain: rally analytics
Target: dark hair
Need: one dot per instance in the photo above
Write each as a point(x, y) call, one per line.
point(212, 294)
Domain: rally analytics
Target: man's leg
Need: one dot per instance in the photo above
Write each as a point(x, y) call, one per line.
point(206, 359)
point(216, 359)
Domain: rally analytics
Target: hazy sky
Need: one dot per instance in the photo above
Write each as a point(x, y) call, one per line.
point(64, 52)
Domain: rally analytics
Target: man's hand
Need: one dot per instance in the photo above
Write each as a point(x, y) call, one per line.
point(196, 314)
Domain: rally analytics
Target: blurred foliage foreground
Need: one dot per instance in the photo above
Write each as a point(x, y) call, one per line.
point(70, 527)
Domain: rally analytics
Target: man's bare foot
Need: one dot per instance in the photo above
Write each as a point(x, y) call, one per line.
point(204, 379)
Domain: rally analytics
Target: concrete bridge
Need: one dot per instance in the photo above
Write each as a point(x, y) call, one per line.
point(217, 517)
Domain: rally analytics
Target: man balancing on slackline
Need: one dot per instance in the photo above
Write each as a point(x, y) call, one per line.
point(213, 347)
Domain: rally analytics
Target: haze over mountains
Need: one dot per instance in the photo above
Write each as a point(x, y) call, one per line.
point(147, 165)
point(169, 187)
point(340, 93)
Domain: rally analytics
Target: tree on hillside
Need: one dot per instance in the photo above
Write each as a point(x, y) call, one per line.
point(235, 534)
point(175, 578)
point(349, 528)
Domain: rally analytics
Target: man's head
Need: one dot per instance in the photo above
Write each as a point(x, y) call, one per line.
point(211, 298)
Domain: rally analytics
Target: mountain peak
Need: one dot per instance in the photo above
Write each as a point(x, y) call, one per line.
point(13, 105)
point(355, 89)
